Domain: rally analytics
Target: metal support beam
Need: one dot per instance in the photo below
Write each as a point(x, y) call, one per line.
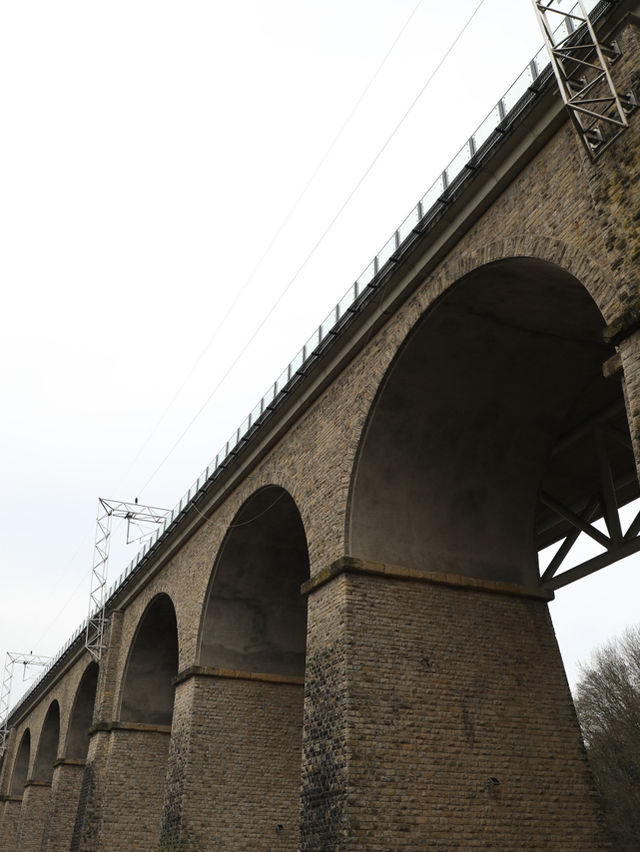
point(12, 659)
point(611, 516)
point(598, 112)
point(628, 548)
point(575, 520)
point(603, 504)
point(563, 551)
point(134, 513)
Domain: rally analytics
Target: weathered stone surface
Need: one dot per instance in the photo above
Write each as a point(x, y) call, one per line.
point(9, 819)
point(418, 692)
point(239, 739)
point(63, 806)
point(33, 816)
point(451, 727)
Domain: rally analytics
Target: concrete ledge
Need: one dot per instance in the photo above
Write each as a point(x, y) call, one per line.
point(349, 565)
point(612, 367)
point(69, 761)
point(235, 674)
point(34, 783)
point(10, 798)
point(130, 726)
point(622, 328)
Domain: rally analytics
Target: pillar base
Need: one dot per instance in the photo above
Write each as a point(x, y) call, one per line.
point(10, 810)
point(122, 789)
point(438, 716)
point(234, 765)
point(65, 793)
point(33, 816)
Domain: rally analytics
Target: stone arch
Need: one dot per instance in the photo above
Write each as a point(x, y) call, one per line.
point(254, 618)
point(82, 714)
point(594, 277)
point(458, 439)
point(47, 752)
point(152, 665)
point(21, 765)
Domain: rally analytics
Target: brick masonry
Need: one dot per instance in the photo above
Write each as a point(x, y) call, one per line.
point(33, 816)
point(369, 692)
point(63, 807)
point(237, 741)
point(449, 724)
point(88, 821)
point(128, 811)
point(10, 813)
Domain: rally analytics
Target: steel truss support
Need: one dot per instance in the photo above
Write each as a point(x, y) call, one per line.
point(598, 111)
point(11, 660)
point(135, 514)
point(617, 544)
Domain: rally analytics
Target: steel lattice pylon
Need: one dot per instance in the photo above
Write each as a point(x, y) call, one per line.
point(108, 509)
point(11, 660)
point(579, 61)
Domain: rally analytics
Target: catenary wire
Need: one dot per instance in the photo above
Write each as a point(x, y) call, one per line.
point(328, 228)
point(279, 230)
point(307, 258)
point(257, 267)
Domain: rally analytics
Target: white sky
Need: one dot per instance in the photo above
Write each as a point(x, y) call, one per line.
point(149, 153)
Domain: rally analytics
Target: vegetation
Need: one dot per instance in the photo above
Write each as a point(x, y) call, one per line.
point(608, 707)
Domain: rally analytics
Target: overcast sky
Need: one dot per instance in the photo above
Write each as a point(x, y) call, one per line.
point(149, 155)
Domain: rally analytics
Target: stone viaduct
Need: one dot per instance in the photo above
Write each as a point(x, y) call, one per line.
point(342, 639)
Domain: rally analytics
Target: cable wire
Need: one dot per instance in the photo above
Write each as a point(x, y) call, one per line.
point(280, 229)
point(356, 187)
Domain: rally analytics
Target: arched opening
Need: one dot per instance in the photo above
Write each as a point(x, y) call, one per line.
point(255, 618)
point(456, 686)
point(82, 714)
point(465, 433)
point(148, 691)
point(21, 765)
point(48, 745)
point(248, 693)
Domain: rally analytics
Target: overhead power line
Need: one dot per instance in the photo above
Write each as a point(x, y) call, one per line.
point(279, 229)
point(316, 245)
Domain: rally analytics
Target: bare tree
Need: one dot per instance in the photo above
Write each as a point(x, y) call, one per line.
point(608, 707)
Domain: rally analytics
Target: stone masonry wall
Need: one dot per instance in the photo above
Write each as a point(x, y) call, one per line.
point(614, 180)
point(33, 816)
point(240, 753)
point(458, 729)
point(65, 794)
point(325, 759)
point(9, 824)
point(88, 821)
point(630, 357)
point(133, 791)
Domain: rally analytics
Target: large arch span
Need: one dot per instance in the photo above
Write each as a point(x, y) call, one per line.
point(462, 438)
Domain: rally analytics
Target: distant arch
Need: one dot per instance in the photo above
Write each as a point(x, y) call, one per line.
point(21, 765)
point(82, 714)
point(148, 691)
point(48, 745)
point(254, 618)
point(460, 436)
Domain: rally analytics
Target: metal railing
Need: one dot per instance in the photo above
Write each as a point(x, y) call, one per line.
point(489, 132)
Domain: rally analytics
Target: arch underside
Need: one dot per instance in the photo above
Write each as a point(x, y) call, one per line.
point(21, 765)
point(488, 405)
point(148, 689)
point(82, 714)
point(48, 745)
point(255, 619)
